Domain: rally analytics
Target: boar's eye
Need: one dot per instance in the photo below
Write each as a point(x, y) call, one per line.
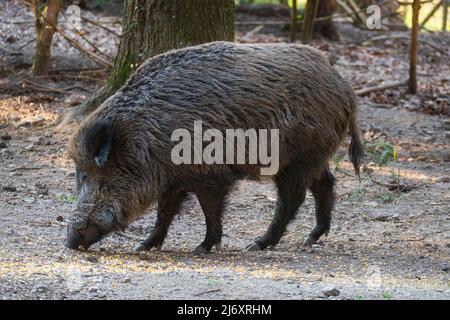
point(99, 139)
point(103, 153)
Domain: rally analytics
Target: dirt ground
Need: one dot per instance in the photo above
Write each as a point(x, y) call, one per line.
point(384, 244)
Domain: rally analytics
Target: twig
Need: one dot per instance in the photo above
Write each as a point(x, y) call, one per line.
point(24, 45)
point(75, 86)
point(390, 241)
point(93, 69)
point(346, 8)
point(68, 76)
point(406, 3)
point(252, 32)
point(358, 13)
point(128, 236)
point(96, 49)
point(26, 168)
point(381, 106)
point(40, 89)
point(76, 45)
point(432, 12)
point(100, 26)
point(435, 47)
point(397, 186)
point(385, 37)
point(205, 292)
point(347, 174)
point(364, 91)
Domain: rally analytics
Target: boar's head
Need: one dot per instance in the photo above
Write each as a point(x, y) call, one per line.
point(112, 187)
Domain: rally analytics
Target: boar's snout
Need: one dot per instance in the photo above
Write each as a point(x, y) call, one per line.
point(73, 240)
point(77, 237)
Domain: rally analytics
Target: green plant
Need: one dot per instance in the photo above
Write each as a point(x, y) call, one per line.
point(99, 3)
point(381, 151)
point(337, 159)
point(70, 198)
point(387, 197)
point(386, 295)
point(357, 193)
point(212, 283)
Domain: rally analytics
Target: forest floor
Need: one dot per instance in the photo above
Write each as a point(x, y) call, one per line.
point(383, 244)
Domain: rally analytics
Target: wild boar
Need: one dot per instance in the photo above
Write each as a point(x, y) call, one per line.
point(123, 151)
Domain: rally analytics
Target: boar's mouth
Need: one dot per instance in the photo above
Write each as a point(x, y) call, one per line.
point(73, 240)
point(90, 236)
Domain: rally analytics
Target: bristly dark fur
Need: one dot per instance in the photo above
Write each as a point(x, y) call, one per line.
point(288, 87)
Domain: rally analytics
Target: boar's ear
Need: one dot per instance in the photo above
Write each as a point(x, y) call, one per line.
point(99, 138)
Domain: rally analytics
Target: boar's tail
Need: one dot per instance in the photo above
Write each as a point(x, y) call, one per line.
point(355, 150)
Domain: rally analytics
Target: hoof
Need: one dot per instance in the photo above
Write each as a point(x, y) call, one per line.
point(140, 247)
point(147, 247)
point(200, 250)
point(309, 242)
point(254, 247)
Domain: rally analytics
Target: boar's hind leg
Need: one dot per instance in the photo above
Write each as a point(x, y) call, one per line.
point(168, 207)
point(322, 190)
point(292, 185)
point(212, 202)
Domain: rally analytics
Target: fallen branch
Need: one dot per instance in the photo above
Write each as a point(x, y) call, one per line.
point(128, 236)
point(205, 292)
point(252, 32)
point(364, 91)
point(27, 168)
point(397, 186)
point(93, 69)
point(385, 37)
point(38, 87)
point(403, 36)
point(381, 105)
point(68, 76)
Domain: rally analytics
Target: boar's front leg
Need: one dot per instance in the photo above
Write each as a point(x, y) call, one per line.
point(292, 185)
point(168, 207)
point(212, 201)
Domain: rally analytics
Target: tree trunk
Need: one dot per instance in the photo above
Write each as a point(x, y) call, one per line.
point(326, 27)
point(412, 84)
point(45, 20)
point(294, 21)
point(151, 27)
point(311, 9)
point(444, 15)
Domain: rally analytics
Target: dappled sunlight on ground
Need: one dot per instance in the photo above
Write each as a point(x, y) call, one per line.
point(21, 111)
